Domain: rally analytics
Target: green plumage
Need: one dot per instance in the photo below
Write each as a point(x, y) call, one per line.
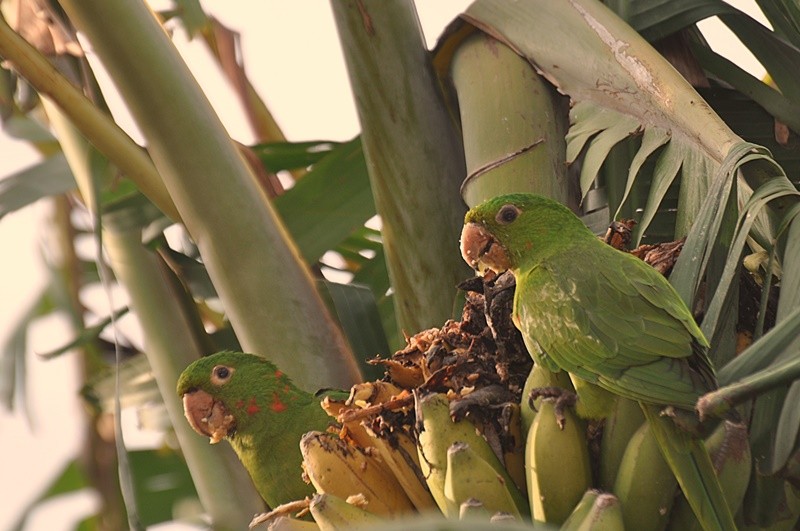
point(270, 414)
point(608, 319)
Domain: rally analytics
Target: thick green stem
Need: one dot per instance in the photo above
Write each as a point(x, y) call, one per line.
point(413, 153)
point(513, 124)
point(267, 291)
point(95, 125)
point(171, 343)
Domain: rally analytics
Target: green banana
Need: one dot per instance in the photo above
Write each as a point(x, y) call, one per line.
point(436, 433)
point(597, 511)
point(619, 427)
point(557, 464)
point(729, 448)
point(645, 484)
point(332, 513)
point(538, 378)
point(472, 509)
point(470, 476)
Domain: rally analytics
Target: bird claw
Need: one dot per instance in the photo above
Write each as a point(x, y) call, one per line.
point(560, 397)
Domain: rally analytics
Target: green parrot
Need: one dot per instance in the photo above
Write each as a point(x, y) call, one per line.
point(248, 401)
point(611, 321)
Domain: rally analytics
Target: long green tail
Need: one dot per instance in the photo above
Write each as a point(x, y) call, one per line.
point(689, 461)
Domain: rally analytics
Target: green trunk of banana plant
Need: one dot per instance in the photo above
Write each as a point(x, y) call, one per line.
point(171, 337)
point(267, 291)
point(591, 54)
point(93, 123)
point(413, 153)
point(513, 124)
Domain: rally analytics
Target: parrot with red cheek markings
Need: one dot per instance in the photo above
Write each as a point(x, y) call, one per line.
point(611, 321)
point(247, 400)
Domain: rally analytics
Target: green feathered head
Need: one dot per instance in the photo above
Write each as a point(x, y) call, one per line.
point(505, 230)
point(232, 391)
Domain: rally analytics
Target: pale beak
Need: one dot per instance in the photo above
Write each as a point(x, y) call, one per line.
point(207, 416)
point(481, 250)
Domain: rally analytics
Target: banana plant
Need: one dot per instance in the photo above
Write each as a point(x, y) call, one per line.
point(565, 99)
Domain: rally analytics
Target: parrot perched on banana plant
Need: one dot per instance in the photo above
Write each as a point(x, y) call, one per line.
point(609, 320)
point(248, 401)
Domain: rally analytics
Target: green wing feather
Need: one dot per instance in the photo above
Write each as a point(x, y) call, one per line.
point(612, 320)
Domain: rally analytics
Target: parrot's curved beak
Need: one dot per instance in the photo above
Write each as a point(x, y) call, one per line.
point(207, 416)
point(481, 250)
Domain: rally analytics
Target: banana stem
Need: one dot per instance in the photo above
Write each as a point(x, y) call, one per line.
point(95, 125)
point(719, 402)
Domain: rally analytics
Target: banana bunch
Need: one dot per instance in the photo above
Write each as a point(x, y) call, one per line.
point(459, 464)
point(597, 511)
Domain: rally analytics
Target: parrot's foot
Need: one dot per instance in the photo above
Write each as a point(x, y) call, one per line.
point(561, 397)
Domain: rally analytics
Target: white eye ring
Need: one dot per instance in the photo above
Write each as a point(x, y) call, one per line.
point(221, 374)
point(507, 214)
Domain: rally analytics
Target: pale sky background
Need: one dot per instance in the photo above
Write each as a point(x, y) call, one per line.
point(304, 83)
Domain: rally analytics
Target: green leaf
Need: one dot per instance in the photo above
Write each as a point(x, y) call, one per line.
point(50, 177)
point(24, 128)
point(781, 59)
point(784, 15)
point(652, 139)
point(360, 319)
point(666, 169)
point(770, 99)
point(88, 334)
point(278, 156)
point(656, 19)
point(161, 480)
point(329, 202)
point(71, 479)
point(12, 353)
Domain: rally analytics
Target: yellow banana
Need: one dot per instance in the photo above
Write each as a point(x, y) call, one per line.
point(371, 393)
point(645, 483)
point(332, 513)
point(619, 427)
point(597, 511)
point(469, 476)
point(557, 465)
point(729, 448)
point(399, 453)
point(537, 379)
point(336, 467)
point(352, 431)
point(437, 432)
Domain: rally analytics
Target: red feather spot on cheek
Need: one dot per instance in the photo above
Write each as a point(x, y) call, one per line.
point(278, 373)
point(277, 406)
point(252, 407)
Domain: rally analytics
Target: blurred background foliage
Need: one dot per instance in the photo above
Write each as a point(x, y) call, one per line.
point(321, 255)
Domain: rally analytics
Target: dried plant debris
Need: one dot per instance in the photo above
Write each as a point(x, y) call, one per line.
point(480, 362)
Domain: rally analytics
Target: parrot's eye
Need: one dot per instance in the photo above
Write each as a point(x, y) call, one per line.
point(220, 374)
point(507, 214)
